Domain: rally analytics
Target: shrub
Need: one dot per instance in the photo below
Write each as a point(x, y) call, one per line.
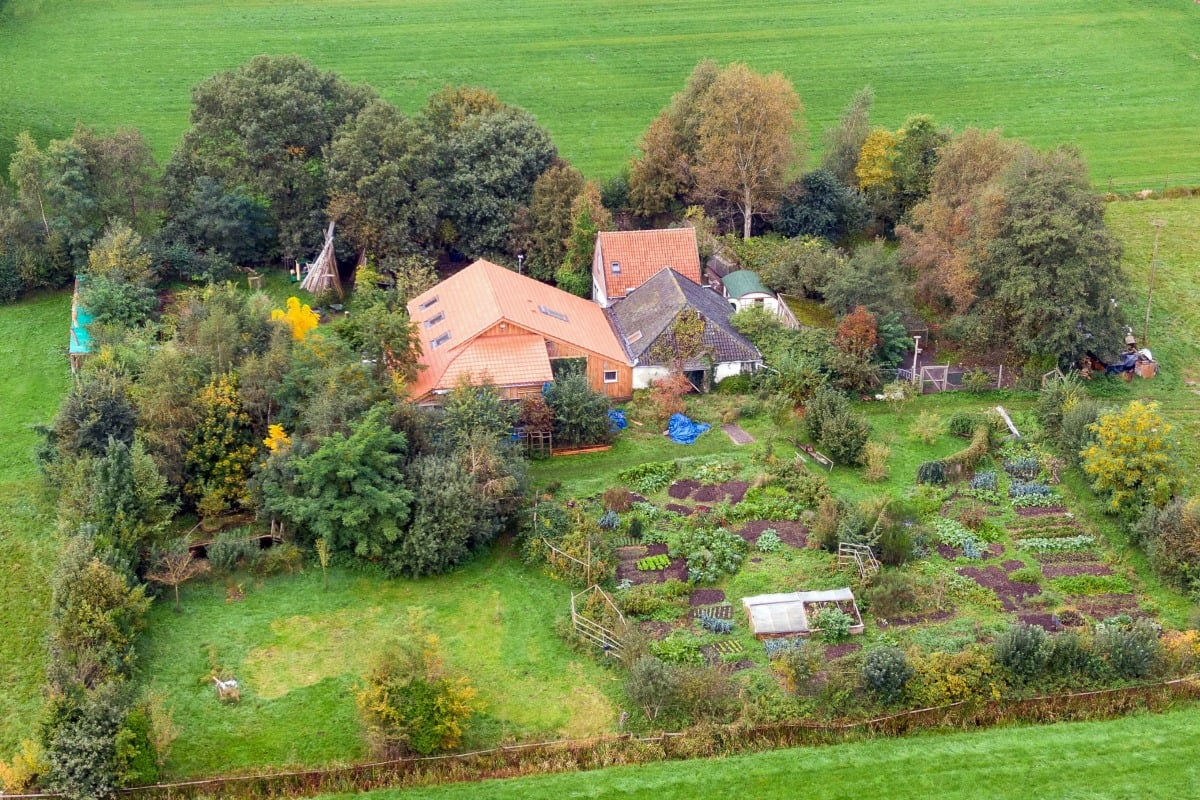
point(652, 686)
point(1130, 652)
point(1171, 538)
point(798, 664)
point(680, 647)
point(635, 528)
point(580, 412)
point(1072, 654)
point(1132, 460)
point(609, 521)
point(1022, 468)
point(232, 549)
point(962, 423)
point(844, 438)
point(927, 427)
point(412, 702)
point(885, 672)
point(649, 477)
point(711, 553)
point(1028, 575)
point(833, 624)
point(1076, 433)
point(892, 594)
point(933, 472)
point(806, 488)
point(984, 480)
point(714, 624)
point(769, 541)
point(1024, 650)
point(876, 455)
point(825, 527)
point(776, 647)
point(282, 559)
point(941, 678)
point(666, 394)
point(618, 499)
point(895, 543)
point(978, 381)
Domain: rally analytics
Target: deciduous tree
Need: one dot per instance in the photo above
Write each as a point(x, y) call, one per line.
point(1132, 461)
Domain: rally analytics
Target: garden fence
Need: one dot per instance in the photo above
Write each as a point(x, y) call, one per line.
point(596, 753)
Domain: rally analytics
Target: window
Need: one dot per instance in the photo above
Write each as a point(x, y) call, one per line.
point(428, 303)
point(549, 312)
point(633, 337)
point(610, 376)
point(616, 267)
point(435, 319)
point(439, 341)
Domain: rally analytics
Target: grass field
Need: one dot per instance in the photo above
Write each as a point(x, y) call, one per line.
point(33, 338)
point(1115, 77)
point(299, 651)
point(1146, 757)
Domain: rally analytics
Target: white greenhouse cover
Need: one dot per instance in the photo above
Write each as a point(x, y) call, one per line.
point(784, 613)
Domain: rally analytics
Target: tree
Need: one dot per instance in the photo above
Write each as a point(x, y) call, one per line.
point(488, 162)
point(299, 318)
point(1052, 268)
point(844, 141)
point(801, 266)
point(175, 566)
point(263, 128)
point(949, 231)
point(549, 220)
point(746, 140)
point(820, 205)
point(857, 333)
point(449, 517)
point(127, 509)
point(383, 189)
point(1133, 458)
point(351, 491)
point(116, 303)
point(871, 278)
point(588, 218)
point(580, 413)
point(219, 223)
point(469, 410)
point(96, 410)
point(221, 450)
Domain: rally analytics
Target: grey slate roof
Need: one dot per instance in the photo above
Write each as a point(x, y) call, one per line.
point(647, 312)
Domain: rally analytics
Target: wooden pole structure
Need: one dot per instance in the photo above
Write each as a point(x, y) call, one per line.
point(1158, 226)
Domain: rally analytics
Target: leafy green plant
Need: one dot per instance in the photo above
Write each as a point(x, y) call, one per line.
point(680, 647)
point(710, 553)
point(885, 672)
point(933, 472)
point(1028, 575)
point(1130, 651)
point(714, 624)
point(1065, 544)
point(962, 423)
point(609, 521)
point(650, 477)
point(1024, 650)
point(833, 624)
point(1092, 584)
point(653, 563)
point(768, 541)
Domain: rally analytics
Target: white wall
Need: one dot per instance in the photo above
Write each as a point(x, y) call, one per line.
point(644, 376)
point(769, 302)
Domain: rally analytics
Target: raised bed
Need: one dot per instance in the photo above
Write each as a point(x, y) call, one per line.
point(1011, 593)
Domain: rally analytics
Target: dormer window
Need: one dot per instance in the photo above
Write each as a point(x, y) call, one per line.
point(616, 267)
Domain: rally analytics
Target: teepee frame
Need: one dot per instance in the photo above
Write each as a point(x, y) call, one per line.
point(323, 273)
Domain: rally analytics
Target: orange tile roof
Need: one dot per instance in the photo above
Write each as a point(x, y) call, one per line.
point(454, 313)
point(643, 254)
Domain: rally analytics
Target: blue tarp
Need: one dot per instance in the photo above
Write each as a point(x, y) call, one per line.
point(683, 430)
point(616, 420)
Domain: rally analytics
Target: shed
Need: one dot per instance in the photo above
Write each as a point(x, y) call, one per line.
point(790, 613)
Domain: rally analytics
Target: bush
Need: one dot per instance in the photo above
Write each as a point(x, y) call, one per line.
point(284, 558)
point(232, 549)
point(932, 472)
point(963, 423)
point(844, 438)
point(984, 480)
point(1132, 460)
point(927, 427)
point(652, 686)
point(798, 664)
point(1171, 538)
point(635, 528)
point(876, 455)
point(1024, 650)
point(886, 671)
point(895, 544)
point(1130, 652)
point(681, 647)
point(833, 624)
point(411, 702)
point(1027, 575)
point(769, 541)
point(1076, 433)
point(978, 381)
point(580, 413)
point(891, 595)
point(609, 521)
point(648, 599)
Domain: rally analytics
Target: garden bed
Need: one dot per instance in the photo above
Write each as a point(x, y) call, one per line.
point(1102, 606)
point(675, 508)
point(1070, 570)
point(1011, 593)
point(790, 532)
point(835, 651)
point(917, 619)
point(735, 491)
point(1040, 512)
point(706, 597)
point(1068, 557)
point(993, 550)
point(628, 560)
point(682, 490)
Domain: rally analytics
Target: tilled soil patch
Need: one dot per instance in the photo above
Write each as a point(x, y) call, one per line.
point(790, 532)
point(1040, 512)
point(839, 650)
point(1103, 606)
point(1011, 593)
point(1077, 557)
point(681, 490)
point(627, 565)
point(993, 550)
point(656, 629)
point(706, 597)
point(916, 619)
point(1013, 564)
point(1071, 570)
point(1044, 621)
point(678, 509)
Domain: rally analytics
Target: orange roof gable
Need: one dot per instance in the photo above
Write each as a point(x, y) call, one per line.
point(451, 316)
point(643, 254)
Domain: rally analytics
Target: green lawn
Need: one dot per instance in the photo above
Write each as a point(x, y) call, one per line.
point(1115, 77)
point(33, 345)
point(298, 652)
point(1145, 757)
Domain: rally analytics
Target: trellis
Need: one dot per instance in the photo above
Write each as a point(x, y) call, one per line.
point(859, 556)
point(598, 634)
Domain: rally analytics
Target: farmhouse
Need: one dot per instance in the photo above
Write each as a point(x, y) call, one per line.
point(624, 260)
point(487, 324)
point(645, 321)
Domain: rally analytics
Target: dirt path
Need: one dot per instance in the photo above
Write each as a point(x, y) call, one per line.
point(738, 435)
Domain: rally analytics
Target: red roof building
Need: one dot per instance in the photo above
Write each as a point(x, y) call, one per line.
point(487, 324)
point(624, 260)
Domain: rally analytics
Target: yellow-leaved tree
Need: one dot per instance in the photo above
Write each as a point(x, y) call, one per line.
point(876, 158)
point(299, 317)
point(1132, 460)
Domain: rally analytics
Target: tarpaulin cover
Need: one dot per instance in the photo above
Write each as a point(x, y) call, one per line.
point(616, 420)
point(683, 430)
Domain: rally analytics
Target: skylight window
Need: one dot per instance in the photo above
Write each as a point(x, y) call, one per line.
point(428, 303)
point(435, 319)
point(439, 341)
point(616, 267)
point(550, 312)
point(633, 337)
